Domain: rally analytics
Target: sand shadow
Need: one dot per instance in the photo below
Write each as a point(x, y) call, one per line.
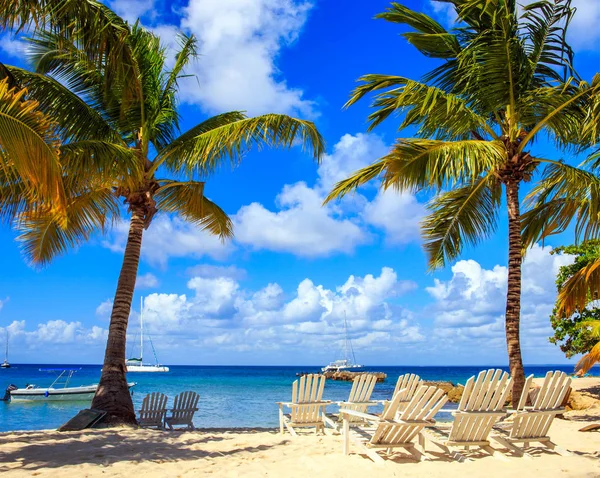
point(103, 448)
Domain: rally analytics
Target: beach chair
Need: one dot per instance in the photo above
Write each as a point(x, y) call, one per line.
point(394, 429)
point(184, 407)
point(359, 400)
point(531, 423)
point(307, 406)
point(153, 411)
point(481, 406)
point(408, 384)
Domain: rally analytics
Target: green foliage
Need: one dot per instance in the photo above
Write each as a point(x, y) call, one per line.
point(571, 332)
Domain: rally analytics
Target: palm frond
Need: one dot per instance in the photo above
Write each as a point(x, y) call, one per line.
point(438, 114)
point(465, 215)
point(187, 199)
point(356, 180)
point(42, 238)
point(589, 359)
point(29, 147)
point(581, 288)
point(75, 119)
point(564, 194)
point(203, 148)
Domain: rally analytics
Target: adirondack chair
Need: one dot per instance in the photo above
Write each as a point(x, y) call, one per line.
point(307, 406)
point(359, 400)
point(153, 411)
point(408, 384)
point(394, 429)
point(481, 406)
point(184, 407)
point(531, 423)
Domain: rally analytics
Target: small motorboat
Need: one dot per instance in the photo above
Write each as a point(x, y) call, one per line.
point(59, 390)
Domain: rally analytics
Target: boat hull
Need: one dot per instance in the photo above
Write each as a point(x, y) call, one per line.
point(147, 368)
point(85, 393)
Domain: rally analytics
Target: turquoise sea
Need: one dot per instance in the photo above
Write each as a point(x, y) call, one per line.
point(229, 396)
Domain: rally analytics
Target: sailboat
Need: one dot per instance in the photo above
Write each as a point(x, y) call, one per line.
point(5, 364)
point(344, 364)
point(137, 364)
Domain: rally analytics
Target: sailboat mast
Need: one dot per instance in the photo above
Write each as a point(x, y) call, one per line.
point(141, 330)
point(6, 354)
point(346, 337)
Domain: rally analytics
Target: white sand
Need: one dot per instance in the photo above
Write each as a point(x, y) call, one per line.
point(251, 453)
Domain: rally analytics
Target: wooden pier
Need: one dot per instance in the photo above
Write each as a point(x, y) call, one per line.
point(347, 376)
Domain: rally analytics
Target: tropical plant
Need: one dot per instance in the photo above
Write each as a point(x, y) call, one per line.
point(570, 332)
point(593, 356)
point(131, 151)
point(506, 78)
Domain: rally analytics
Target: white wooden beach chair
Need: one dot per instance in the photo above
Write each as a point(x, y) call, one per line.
point(153, 411)
point(393, 429)
point(408, 384)
point(184, 407)
point(359, 400)
point(531, 423)
point(481, 406)
point(307, 406)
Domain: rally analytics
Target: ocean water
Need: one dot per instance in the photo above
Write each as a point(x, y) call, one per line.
point(229, 396)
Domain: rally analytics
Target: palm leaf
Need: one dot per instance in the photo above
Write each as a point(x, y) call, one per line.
point(464, 215)
point(29, 147)
point(187, 199)
point(228, 136)
point(589, 359)
point(42, 238)
point(579, 290)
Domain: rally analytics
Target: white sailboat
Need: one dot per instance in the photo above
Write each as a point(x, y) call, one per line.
point(6, 364)
point(135, 364)
point(344, 364)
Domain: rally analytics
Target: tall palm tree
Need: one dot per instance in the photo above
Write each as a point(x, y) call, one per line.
point(505, 79)
point(131, 151)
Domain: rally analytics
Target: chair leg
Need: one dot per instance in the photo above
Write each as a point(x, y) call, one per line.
point(553, 446)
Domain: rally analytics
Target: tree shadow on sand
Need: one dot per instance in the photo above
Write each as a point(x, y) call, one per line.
point(54, 449)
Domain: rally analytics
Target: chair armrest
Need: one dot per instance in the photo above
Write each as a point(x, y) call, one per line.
point(354, 413)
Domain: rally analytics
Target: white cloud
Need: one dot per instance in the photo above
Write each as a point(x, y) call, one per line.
point(3, 302)
point(170, 237)
point(146, 281)
point(398, 214)
point(471, 304)
point(239, 43)
point(444, 12)
point(304, 227)
point(53, 334)
point(301, 226)
point(13, 47)
point(221, 315)
point(131, 10)
point(209, 270)
point(104, 309)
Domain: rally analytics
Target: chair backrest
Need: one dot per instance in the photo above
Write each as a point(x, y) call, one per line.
point(305, 393)
point(419, 412)
point(360, 394)
point(481, 406)
point(409, 383)
point(535, 421)
point(154, 407)
point(184, 406)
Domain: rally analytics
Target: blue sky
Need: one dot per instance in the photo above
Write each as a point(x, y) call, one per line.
point(277, 294)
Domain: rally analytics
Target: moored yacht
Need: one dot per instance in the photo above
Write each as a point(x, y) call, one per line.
point(345, 364)
point(137, 364)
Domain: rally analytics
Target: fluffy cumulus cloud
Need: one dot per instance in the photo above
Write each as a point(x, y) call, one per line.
point(219, 314)
point(239, 42)
point(52, 336)
point(302, 226)
point(470, 305)
point(13, 47)
point(146, 281)
point(170, 237)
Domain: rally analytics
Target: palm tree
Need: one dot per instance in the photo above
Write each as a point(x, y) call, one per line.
point(593, 356)
point(504, 80)
point(121, 150)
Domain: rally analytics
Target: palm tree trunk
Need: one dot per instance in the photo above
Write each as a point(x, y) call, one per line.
point(113, 395)
point(513, 296)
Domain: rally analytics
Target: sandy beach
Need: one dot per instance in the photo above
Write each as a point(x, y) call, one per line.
point(265, 452)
